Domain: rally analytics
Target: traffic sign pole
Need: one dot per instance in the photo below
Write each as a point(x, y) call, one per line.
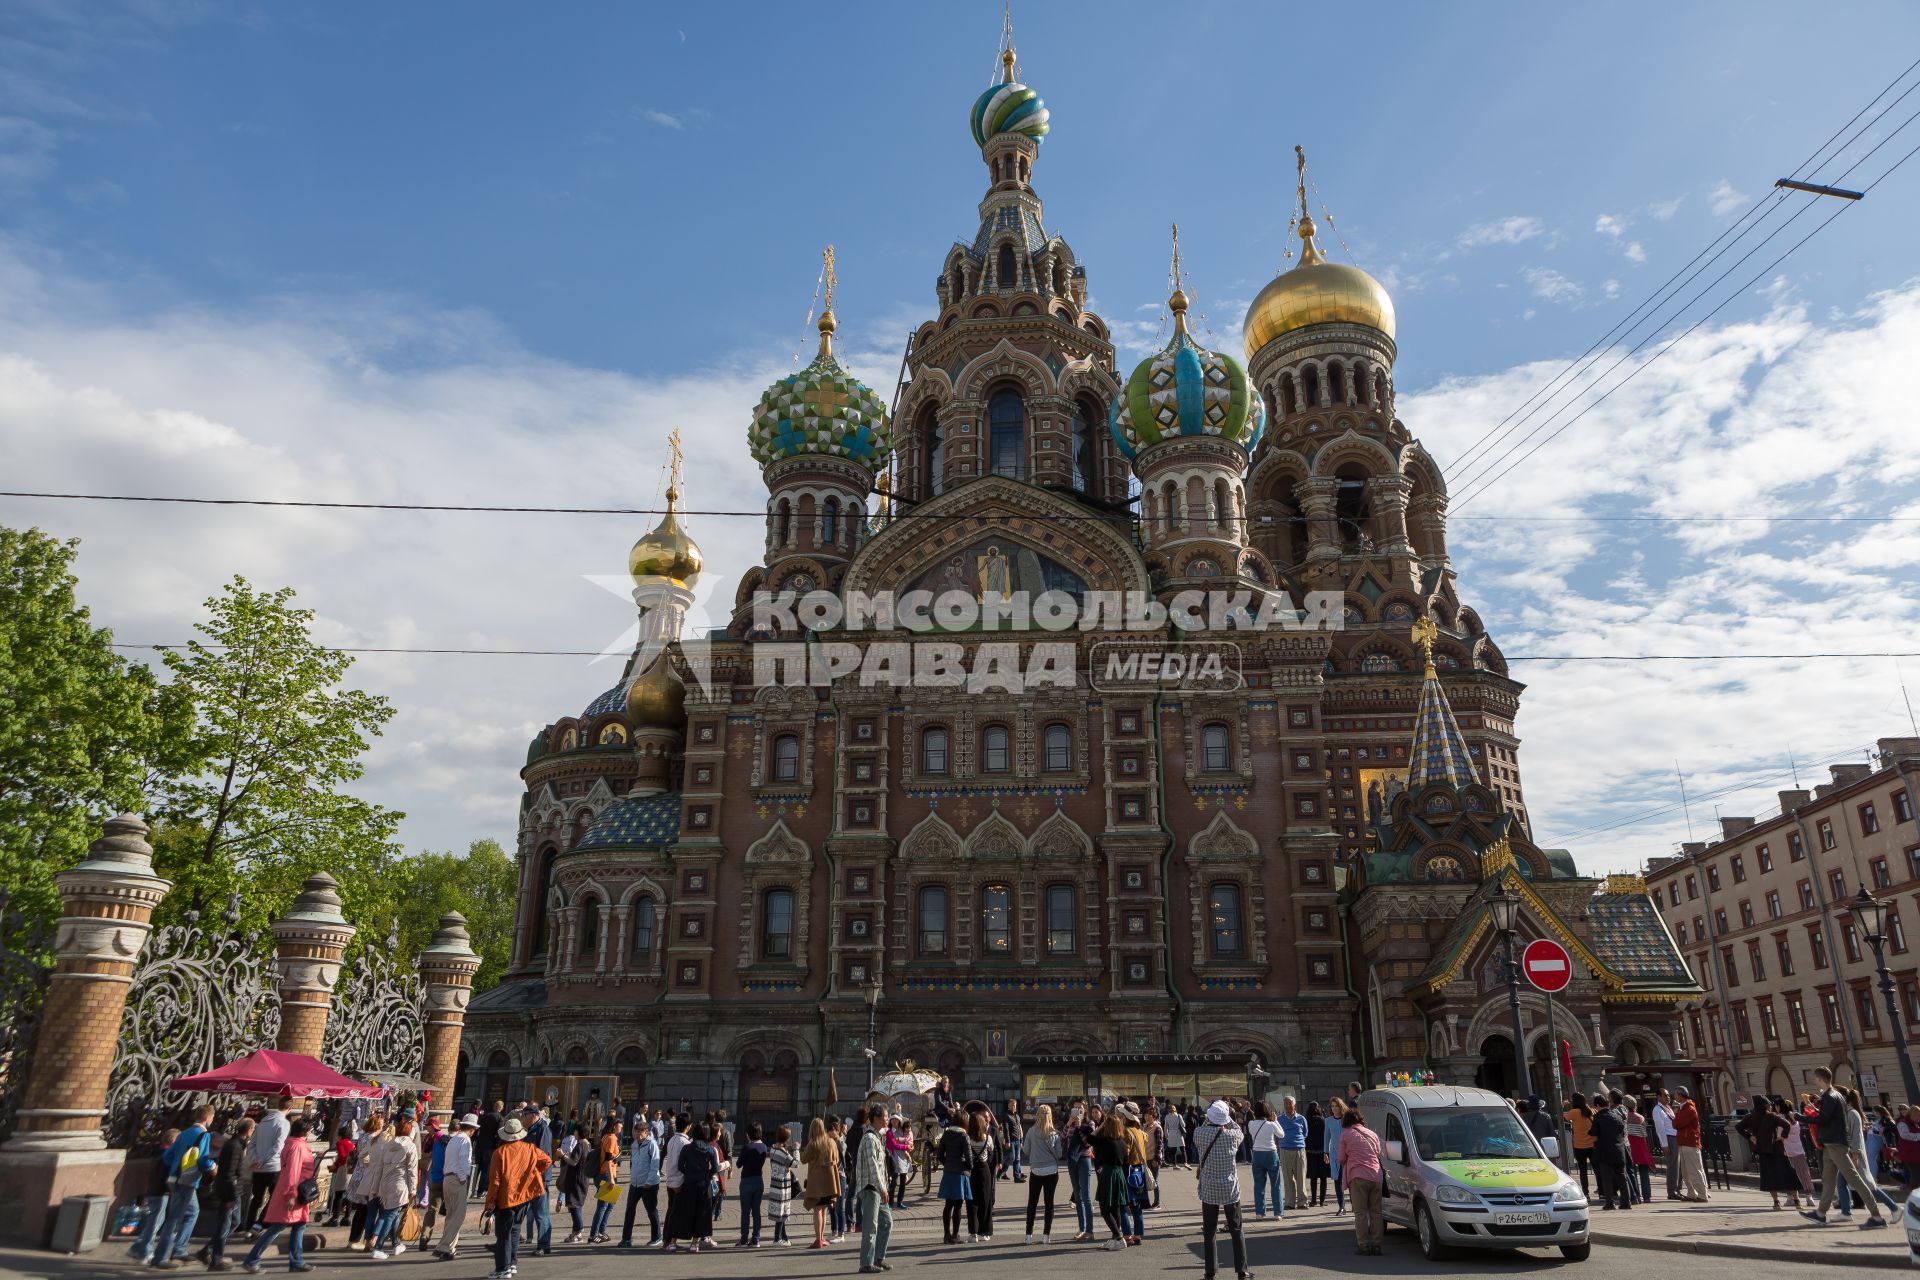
point(1553, 1083)
point(1549, 968)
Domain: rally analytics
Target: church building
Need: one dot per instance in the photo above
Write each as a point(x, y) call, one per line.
point(747, 893)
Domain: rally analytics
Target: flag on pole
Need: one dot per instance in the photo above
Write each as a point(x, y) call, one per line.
point(1566, 1059)
point(833, 1088)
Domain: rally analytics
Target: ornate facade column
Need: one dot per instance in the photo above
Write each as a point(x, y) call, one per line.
point(447, 967)
point(1317, 502)
point(309, 943)
point(107, 904)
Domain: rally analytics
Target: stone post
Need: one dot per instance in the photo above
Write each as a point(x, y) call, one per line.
point(107, 905)
point(447, 967)
point(308, 944)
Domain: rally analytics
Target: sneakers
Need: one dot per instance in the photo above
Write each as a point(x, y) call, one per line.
point(1814, 1215)
point(1873, 1222)
point(1046, 1237)
point(380, 1255)
point(1113, 1244)
point(574, 1237)
point(399, 1249)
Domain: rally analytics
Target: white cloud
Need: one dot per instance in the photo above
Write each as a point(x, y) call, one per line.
point(1551, 285)
point(1635, 251)
point(1610, 224)
point(1611, 288)
point(664, 119)
point(1724, 199)
point(1662, 210)
point(1511, 230)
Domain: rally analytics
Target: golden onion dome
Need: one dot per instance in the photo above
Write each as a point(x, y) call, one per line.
point(667, 552)
point(1316, 291)
point(657, 699)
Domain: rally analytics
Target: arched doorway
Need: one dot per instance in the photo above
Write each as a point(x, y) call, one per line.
point(770, 1087)
point(1495, 1071)
point(630, 1065)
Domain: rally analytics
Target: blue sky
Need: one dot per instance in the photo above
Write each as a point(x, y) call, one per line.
point(491, 252)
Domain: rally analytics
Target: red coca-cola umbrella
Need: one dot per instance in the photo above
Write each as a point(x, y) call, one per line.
point(277, 1074)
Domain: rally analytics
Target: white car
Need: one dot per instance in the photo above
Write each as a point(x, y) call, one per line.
point(1911, 1220)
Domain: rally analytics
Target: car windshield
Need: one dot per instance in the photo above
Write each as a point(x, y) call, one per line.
point(1477, 1133)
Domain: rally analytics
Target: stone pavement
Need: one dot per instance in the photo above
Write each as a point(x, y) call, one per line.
point(1742, 1223)
point(1735, 1237)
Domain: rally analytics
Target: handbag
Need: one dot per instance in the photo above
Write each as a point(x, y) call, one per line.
point(410, 1224)
point(608, 1192)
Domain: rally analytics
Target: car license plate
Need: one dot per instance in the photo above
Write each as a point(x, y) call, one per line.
point(1522, 1219)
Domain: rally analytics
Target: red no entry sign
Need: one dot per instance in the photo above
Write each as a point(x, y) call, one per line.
point(1547, 965)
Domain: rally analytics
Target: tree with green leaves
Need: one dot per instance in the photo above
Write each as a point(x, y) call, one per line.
point(84, 733)
point(279, 740)
point(481, 885)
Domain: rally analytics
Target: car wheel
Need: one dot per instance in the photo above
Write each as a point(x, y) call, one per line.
point(1576, 1252)
point(1429, 1236)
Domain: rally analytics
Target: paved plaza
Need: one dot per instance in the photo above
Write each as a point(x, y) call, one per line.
point(1736, 1235)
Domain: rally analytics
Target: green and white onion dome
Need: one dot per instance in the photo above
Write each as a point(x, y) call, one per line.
point(1186, 390)
point(822, 409)
point(1008, 108)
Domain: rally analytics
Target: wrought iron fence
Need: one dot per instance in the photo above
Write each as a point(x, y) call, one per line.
point(200, 998)
point(379, 1020)
point(25, 968)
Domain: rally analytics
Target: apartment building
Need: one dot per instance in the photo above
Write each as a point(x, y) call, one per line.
point(1762, 916)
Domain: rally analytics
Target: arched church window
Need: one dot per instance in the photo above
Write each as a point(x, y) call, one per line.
point(1352, 512)
point(783, 524)
point(994, 754)
point(933, 451)
point(1310, 381)
point(1224, 927)
point(786, 758)
point(1063, 933)
point(1083, 446)
point(933, 750)
point(643, 921)
point(996, 920)
point(1288, 396)
point(1337, 376)
point(1006, 439)
point(933, 920)
point(589, 925)
point(1009, 275)
point(830, 523)
point(1222, 505)
point(776, 930)
point(1059, 744)
point(1214, 754)
point(541, 900)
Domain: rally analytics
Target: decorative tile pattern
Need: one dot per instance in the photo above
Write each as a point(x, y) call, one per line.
point(637, 822)
point(1629, 936)
point(1009, 108)
point(821, 409)
point(1439, 752)
point(1186, 390)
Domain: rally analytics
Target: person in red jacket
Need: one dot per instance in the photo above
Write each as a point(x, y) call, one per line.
point(1686, 1134)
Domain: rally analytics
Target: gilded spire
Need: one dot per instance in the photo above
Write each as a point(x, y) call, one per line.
point(1008, 60)
point(827, 323)
point(1177, 302)
point(668, 552)
point(1309, 250)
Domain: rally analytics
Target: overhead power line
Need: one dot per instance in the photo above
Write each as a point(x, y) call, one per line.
point(1733, 788)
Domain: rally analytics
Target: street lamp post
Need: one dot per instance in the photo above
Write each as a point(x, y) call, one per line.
point(873, 1010)
point(1872, 914)
point(1505, 909)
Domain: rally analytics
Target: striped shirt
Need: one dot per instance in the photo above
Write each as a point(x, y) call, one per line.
point(1219, 1177)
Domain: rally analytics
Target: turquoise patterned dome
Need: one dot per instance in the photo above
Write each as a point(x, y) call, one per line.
point(821, 409)
point(1186, 390)
point(1009, 108)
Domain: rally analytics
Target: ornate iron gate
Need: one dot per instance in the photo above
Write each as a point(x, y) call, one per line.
point(379, 1020)
point(24, 972)
point(200, 999)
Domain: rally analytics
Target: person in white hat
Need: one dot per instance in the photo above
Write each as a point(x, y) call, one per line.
point(515, 1181)
point(1217, 1141)
point(458, 1174)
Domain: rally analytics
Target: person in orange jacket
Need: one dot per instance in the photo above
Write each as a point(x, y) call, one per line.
point(515, 1179)
point(1686, 1135)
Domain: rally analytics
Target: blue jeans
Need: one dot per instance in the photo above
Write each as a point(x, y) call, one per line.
point(601, 1212)
point(751, 1193)
point(1080, 1175)
point(183, 1210)
point(1017, 1151)
point(1266, 1172)
point(155, 1212)
point(1132, 1214)
point(386, 1227)
point(539, 1219)
point(506, 1236)
point(877, 1217)
point(295, 1259)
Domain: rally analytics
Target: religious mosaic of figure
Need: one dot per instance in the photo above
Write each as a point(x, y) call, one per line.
point(996, 569)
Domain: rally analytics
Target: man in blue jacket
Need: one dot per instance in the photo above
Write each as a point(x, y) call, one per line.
point(1293, 1152)
point(187, 1161)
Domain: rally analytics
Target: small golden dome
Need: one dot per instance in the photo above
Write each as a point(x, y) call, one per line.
point(667, 552)
point(1316, 291)
point(657, 699)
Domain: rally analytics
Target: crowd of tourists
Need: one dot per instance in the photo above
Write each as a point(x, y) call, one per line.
point(405, 1179)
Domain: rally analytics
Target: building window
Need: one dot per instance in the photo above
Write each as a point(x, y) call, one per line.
point(1007, 271)
point(1713, 879)
point(933, 920)
point(1223, 915)
point(1683, 933)
point(1869, 821)
point(1739, 865)
point(1863, 998)
point(1796, 848)
point(994, 755)
point(1902, 807)
point(1796, 1017)
point(1830, 1012)
point(1850, 941)
point(1720, 921)
point(996, 921)
point(830, 524)
point(1773, 904)
point(1785, 954)
point(1006, 434)
point(1214, 756)
point(1910, 999)
point(1754, 963)
point(1882, 878)
point(1059, 741)
point(1826, 834)
point(1896, 936)
point(933, 750)
point(786, 758)
point(776, 928)
point(1769, 1028)
point(1818, 945)
point(1693, 890)
point(643, 921)
point(1742, 1028)
point(1063, 935)
point(1733, 970)
point(589, 926)
point(1806, 895)
point(1746, 913)
point(1838, 881)
point(1083, 446)
point(1765, 859)
point(936, 453)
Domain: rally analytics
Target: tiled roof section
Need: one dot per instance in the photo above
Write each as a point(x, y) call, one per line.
point(612, 700)
point(510, 997)
point(637, 822)
point(1459, 934)
point(1009, 217)
point(1629, 936)
point(1439, 752)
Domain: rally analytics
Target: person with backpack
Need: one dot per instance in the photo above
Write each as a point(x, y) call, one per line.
point(1830, 1128)
point(222, 1193)
point(1218, 1139)
point(263, 1160)
point(187, 1160)
point(296, 1188)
